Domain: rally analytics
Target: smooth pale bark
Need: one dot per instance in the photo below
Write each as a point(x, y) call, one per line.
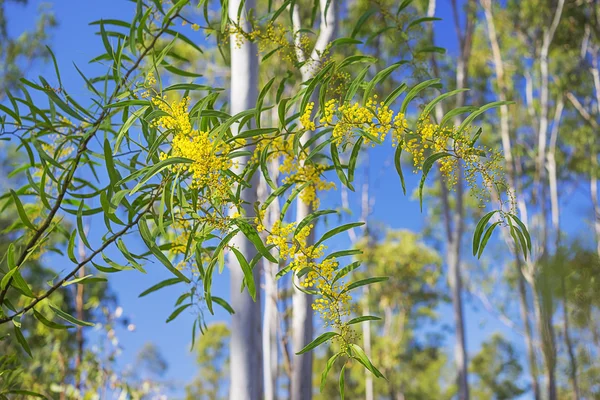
point(246, 344)
point(508, 158)
point(546, 326)
point(271, 313)
point(594, 157)
point(454, 217)
point(302, 317)
point(365, 212)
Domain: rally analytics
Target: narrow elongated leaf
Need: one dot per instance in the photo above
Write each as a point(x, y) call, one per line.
point(523, 230)
point(248, 276)
point(363, 319)
point(486, 238)
point(311, 217)
point(21, 211)
point(21, 339)
point(347, 269)
point(85, 279)
point(69, 318)
point(479, 230)
point(361, 357)
point(160, 285)
point(48, 323)
point(364, 282)
point(223, 304)
point(177, 311)
point(327, 368)
point(338, 230)
point(319, 340)
point(250, 232)
point(398, 164)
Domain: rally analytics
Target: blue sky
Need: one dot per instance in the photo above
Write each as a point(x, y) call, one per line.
point(74, 41)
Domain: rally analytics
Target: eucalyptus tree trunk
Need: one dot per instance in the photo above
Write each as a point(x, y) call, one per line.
point(454, 217)
point(510, 169)
point(545, 314)
point(246, 378)
point(302, 317)
point(593, 155)
point(271, 314)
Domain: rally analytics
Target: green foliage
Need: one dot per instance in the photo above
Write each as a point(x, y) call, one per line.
point(155, 165)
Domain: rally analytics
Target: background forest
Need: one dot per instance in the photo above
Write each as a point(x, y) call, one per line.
point(453, 325)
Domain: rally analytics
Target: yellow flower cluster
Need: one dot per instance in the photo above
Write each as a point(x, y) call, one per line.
point(306, 117)
point(150, 79)
point(210, 160)
point(375, 119)
point(334, 301)
point(430, 138)
point(276, 37)
point(295, 169)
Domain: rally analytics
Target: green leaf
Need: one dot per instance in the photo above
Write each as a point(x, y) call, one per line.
point(381, 75)
point(394, 95)
point(426, 168)
point(364, 282)
point(110, 164)
point(398, 164)
point(21, 211)
point(363, 18)
point(421, 20)
point(363, 319)
point(250, 232)
point(177, 311)
point(21, 340)
point(486, 237)
point(71, 247)
point(480, 111)
point(48, 323)
point(248, 276)
point(223, 304)
point(338, 230)
point(61, 314)
point(361, 357)
point(479, 230)
point(343, 253)
point(342, 382)
point(153, 170)
point(311, 217)
point(319, 340)
point(429, 108)
point(160, 285)
point(354, 158)
point(415, 91)
point(523, 229)
point(344, 271)
point(327, 368)
point(26, 392)
point(85, 279)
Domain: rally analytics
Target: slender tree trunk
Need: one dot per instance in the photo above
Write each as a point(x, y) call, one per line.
point(509, 161)
point(569, 343)
point(271, 313)
point(524, 307)
point(246, 344)
point(302, 317)
point(545, 313)
point(455, 217)
point(594, 155)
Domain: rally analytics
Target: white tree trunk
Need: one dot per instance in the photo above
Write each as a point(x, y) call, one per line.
point(508, 158)
point(246, 345)
point(271, 314)
point(302, 317)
